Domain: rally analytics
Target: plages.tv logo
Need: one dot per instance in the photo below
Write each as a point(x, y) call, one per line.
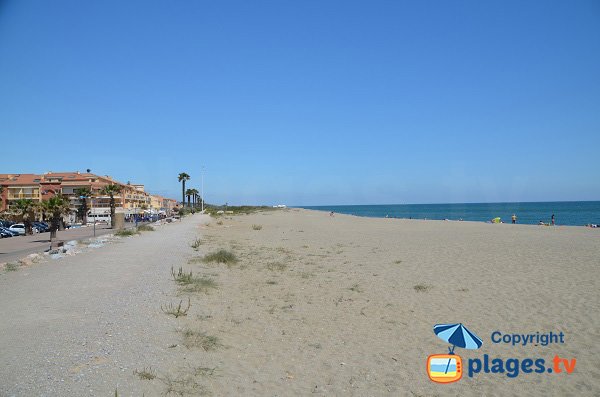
point(448, 368)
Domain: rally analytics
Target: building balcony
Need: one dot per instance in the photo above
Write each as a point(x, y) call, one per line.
point(30, 196)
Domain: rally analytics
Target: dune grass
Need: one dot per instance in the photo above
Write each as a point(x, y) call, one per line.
point(191, 283)
point(221, 256)
point(126, 232)
point(198, 339)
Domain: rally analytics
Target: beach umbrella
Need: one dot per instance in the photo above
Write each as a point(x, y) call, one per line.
point(457, 335)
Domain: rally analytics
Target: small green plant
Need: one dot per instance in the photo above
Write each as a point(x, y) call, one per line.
point(195, 260)
point(355, 288)
point(398, 262)
point(182, 277)
point(199, 339)
point(256, 227)
point(145, 228)
point(422, 287)
point(176, 311)
point(126, 232)
point(11, 267)
point(271, 282)
point(221, 256)
point(196, 243)
point(192, 283)
point(145, 374)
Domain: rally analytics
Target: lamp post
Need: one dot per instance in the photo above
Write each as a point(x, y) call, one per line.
point(202, 188)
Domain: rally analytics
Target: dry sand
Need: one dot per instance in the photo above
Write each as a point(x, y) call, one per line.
point(316, 304)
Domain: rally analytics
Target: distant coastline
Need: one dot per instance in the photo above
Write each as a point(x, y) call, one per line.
point(567, 213)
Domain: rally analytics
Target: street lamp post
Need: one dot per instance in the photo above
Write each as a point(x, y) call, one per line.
point(202, 188)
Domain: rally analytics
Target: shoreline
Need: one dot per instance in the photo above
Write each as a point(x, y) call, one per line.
point(326, 210)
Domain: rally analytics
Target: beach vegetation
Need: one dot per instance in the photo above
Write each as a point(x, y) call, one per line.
point(355, 288)
point(256, 227)
point(145, 374)
point(221, 256)
point(145, 228)
point(199, 339)
point(196, 243)
point(126, 232)
point(422, 287)
point(176, 311)
point(191, 283)
point(397, 262)
point(182, 385)
point(11, 267)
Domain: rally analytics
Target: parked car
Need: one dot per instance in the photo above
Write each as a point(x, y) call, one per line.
point(19, 228)
point(5, 233)
point(6, 230)
point(41, 226)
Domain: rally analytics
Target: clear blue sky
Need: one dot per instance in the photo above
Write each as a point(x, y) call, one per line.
point(308, 102)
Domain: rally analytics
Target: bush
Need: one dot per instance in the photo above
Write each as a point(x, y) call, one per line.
point(221, 256)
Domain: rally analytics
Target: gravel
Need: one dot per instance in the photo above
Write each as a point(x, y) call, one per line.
point(80, 325)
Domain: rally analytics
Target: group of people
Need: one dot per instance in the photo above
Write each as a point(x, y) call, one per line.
point(514, 220)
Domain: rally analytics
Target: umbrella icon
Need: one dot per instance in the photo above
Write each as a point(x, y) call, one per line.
point(457, 335)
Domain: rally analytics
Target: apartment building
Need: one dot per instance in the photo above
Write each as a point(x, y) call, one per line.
point(133, 199)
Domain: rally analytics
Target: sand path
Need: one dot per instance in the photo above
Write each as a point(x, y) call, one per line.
point(81, 325)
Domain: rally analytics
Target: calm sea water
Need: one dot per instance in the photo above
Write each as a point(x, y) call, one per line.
point(573, 213)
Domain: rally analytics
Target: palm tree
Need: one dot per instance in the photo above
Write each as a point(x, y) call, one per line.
point(25, 209)
point(111, 190)
point(84, 193)
point(55, 207)
point(195, 196)
point(182, 178)
point(189, 193)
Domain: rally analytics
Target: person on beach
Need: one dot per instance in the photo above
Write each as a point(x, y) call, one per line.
point(552, 221)
point(514, 219)
point(331, 213)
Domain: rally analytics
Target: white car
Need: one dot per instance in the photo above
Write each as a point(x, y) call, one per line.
point(18, 228)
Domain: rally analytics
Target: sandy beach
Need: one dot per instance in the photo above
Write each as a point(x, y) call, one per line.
point(314, 304)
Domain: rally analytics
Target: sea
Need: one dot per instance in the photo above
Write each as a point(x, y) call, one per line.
point(568, 213)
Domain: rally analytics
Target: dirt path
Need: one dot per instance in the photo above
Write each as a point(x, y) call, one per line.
point(81, 325)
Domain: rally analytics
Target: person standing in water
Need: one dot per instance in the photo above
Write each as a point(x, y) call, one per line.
point(514, 219)
point(552, 221)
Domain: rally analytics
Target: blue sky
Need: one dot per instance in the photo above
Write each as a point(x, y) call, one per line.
point(308, 102)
